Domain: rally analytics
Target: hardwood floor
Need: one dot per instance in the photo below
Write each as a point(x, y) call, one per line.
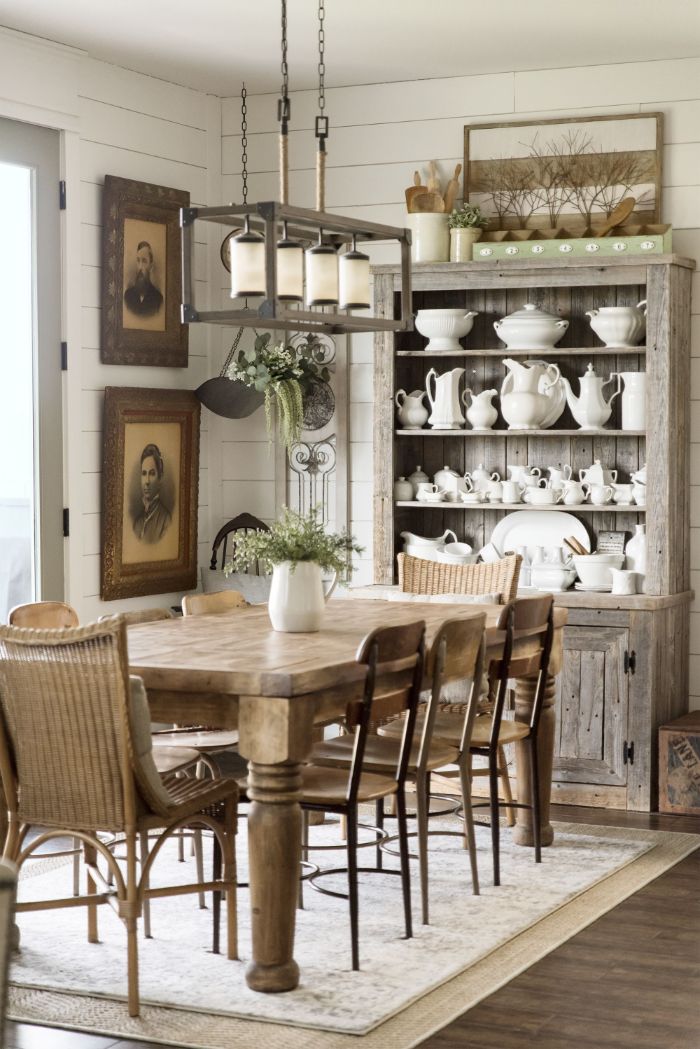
point(629, 981)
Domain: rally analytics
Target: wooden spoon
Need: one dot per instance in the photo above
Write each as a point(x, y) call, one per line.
point(452, 189)
point(623, 210)
point(434, 180)
point(426, 201)
point(414, 191)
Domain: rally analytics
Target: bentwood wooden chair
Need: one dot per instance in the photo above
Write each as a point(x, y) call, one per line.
point(40, 614)
point(457, 651)
point(499, 578)
point(76, 759)
point(394, 657)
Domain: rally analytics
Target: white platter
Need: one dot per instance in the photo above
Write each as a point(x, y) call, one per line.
point(531, 528)
point(556, 394)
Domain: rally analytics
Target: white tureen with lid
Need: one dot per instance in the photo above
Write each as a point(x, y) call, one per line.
point(530, 329)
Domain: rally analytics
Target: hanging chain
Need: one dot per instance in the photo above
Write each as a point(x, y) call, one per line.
point(321, 119)
point(244, 143)
point(283, 106)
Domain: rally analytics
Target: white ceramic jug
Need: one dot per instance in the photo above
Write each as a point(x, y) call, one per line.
point(297, 600)
point(446, 412)
point(481, 414)
point(413, 415)
point(590, 409)
point(634, 397)
point(524, 401)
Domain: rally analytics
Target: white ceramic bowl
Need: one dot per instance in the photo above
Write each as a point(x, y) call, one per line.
point(458, 549)
point(455, 559)
point(444, 328)
point(594, 569)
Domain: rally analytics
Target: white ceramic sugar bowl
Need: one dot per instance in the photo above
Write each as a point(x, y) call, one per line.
point(530, 329)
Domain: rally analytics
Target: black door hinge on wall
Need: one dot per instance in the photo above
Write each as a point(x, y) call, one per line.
point(62, 195)
point(66, 522)
point(64, 356)
point(630, 662)
point(628, 753)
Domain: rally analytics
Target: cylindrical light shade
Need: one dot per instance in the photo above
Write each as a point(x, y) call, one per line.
point(354, 280)
point(247, 264)
point(321, 276)
point(290, 270)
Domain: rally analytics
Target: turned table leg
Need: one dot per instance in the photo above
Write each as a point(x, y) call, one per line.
point(524, 697)
point(274, 853)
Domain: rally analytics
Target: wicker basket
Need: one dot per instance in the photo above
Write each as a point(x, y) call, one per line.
point(420, 576)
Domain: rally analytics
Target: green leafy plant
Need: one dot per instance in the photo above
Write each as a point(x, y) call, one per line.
point(285, 374)
point(296, 537)
point(467, 217)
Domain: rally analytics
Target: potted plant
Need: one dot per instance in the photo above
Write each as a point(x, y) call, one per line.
point(285, 374)
point(297, 549)
point(466, 224)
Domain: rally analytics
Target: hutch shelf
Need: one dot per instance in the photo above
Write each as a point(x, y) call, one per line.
point(625, 666)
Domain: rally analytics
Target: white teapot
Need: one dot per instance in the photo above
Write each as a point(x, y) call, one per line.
point(481, 414)
point(480, 478)
point(451, 484)
point(590, 409)
point(597, 474)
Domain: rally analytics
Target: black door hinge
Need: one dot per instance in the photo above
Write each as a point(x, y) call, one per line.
point(62, 195)
point(64, 356)
point(630, 662)
point(66, 522)
point(628, 753)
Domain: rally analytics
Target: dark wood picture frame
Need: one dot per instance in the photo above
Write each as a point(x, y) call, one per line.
point(481, 172)
point(162, 340)
point(135, 564)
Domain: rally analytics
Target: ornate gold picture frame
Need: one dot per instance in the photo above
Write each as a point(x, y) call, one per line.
point(150, 480)
point(142, 275)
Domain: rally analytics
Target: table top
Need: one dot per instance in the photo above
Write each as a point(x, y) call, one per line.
point(238, 653)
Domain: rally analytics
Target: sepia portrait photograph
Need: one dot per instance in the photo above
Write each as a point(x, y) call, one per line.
point(142, 275)
point(149, 491)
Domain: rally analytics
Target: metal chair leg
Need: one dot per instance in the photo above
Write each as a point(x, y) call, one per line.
point(199, 862)
point(352, 886)
point(77, 845)
point(535, 788)
point(422, 802)
point(405, 868)
point(505, 780)
point(495, 828)
point(379, 817)
point(304, 854)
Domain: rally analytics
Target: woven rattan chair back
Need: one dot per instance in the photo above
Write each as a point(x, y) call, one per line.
point(40, 615)
point(64, 747)
point(210, 604)
point(419, 576)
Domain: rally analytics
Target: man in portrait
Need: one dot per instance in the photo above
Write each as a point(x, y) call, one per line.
point(153, 521)
point(142, 297)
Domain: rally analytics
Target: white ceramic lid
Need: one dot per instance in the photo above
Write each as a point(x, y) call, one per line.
point(530, 312)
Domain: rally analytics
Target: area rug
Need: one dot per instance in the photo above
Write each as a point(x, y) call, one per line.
point(405, 990)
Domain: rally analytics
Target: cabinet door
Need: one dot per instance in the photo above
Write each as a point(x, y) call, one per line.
point(591, 707)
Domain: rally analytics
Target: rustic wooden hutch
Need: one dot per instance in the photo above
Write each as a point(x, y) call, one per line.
point(626, 658)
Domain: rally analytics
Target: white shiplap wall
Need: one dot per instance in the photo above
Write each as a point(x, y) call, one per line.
point(381, 132)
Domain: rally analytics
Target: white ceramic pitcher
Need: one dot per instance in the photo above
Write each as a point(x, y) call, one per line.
point(297, 599)
point(634, 398)
point(446, 412)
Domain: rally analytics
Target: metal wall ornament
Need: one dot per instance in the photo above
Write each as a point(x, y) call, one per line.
point(313, 463)
point(266, 256)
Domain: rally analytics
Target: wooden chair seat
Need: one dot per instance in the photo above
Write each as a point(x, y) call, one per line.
point(323, 786)
point(174, 759)
point(207, 741)
point(509, 732)
point(382, 752)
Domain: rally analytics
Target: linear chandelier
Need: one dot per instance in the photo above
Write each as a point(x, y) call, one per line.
point(303, 265)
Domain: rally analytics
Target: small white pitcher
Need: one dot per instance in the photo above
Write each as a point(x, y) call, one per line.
point(297, 599)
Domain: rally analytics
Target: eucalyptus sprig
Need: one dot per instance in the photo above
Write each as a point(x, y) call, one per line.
point(467, 217)
point(296, 537)
point(285, 374)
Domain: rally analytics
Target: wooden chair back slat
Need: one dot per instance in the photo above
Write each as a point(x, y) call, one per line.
point(242, 523)
point(210, 604)
point(142, 615)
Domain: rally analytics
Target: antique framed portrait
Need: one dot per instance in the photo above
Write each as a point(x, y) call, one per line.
point(150, 473)
point(142, 275)
point(568, 172)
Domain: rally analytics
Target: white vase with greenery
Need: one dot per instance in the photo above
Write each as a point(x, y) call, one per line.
point(298, 550)
point(466, 224)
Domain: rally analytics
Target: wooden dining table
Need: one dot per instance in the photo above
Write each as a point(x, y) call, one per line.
point(233, 670)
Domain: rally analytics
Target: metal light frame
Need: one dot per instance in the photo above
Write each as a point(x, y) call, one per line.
point(302, 224)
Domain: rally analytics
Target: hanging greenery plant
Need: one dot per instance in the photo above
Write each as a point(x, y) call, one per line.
point(285, 374)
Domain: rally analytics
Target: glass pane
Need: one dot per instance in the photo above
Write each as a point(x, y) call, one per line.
point(17, 483)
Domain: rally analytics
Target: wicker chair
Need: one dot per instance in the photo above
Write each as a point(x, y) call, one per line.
point(75, 758)
point(420, 576)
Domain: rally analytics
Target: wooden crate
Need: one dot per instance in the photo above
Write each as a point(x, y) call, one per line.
point(679, 765)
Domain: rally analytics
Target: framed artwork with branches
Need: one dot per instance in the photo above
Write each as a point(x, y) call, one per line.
point(565, 172)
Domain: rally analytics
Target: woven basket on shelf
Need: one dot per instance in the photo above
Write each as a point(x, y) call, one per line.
point(419, 576)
